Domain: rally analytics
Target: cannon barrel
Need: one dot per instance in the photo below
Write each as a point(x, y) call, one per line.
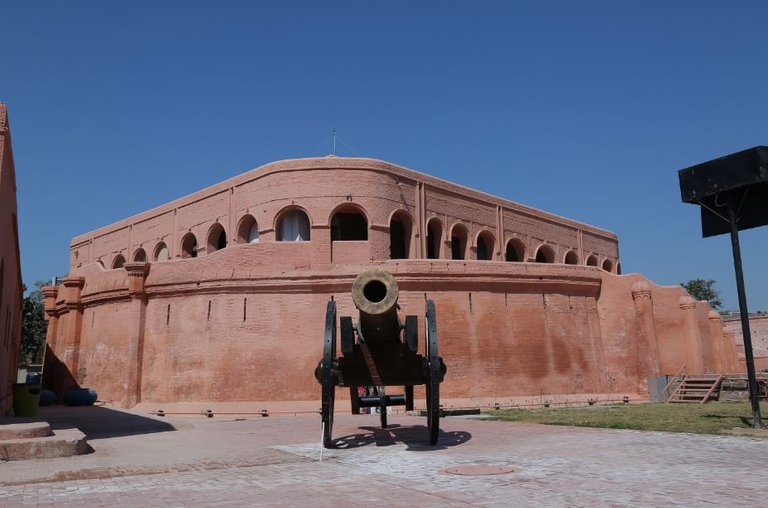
point(375, 294)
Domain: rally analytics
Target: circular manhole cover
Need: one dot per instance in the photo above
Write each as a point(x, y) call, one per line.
point(479, 470)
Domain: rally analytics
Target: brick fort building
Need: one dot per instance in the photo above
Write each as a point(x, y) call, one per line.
point(218, 298)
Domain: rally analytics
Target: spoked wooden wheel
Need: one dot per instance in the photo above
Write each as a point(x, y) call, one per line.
point(327, 379)
point(433, 377)
point(382, 408)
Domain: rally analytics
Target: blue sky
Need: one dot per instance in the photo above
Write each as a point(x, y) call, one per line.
point(585, 109)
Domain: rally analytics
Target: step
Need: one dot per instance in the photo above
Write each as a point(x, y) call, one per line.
point(24, 430)
point(63, 443)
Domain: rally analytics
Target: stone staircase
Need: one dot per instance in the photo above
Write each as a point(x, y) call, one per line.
point(21, 441)
point(697, 388)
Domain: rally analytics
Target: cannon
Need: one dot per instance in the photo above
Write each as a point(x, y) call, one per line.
point(379, 351)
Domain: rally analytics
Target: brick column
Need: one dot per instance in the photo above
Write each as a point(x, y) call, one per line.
point(718, 345)
point(73, 287)
point(648, 345)
point(49, 296)
point(137, 274)
point(695, 360)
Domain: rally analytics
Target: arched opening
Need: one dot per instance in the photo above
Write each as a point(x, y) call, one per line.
point(571, 258)
point(515, 251)
point(118, 262)
point(217, 238)
point(545, 254)
point(485, 246)
point(349, 225)
point(458, 242)
point(618, 268)
point(434, 239)
point(608, 265)
point(189, 246)
point(293, 226)
point(139, 256)
point(399, 236)
point(592, 260)
point(248, 231)
point(161, 252)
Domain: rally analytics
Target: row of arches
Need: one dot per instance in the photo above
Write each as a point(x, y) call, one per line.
point(349, 222)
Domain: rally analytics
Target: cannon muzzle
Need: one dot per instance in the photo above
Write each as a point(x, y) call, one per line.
point(375, 294)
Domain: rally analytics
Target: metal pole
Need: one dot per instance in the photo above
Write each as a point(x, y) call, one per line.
point(754, 396)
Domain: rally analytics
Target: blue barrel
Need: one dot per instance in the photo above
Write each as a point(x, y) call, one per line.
point(79, 397)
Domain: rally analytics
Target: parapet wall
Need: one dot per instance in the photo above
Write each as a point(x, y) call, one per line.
point(241, 325)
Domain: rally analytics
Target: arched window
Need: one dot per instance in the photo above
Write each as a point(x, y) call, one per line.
point(434, 238)
point(515, 251)
point(571, 258)
point(293, 227)
point(349, 225)
point(217, 238)
point(485, 246)
point(399, 236)
point(139, 256)
point(248, 232)
point(592, 260)
point(607, 265)
point(545, 254)
point(189, 246)
point(118, 262)
point(161, 252)
point(458, 242)
point(618, 268)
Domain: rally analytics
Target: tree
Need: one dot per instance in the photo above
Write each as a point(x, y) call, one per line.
point(704, 289)
point(33, 325)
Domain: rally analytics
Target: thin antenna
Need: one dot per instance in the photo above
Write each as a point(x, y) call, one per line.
point(334, 142)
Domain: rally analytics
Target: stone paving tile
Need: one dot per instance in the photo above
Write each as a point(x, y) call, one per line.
point(554, 466)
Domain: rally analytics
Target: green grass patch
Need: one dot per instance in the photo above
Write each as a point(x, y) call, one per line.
point(709, 418)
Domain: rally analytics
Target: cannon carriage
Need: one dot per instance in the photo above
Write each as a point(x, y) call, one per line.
point(379, 350)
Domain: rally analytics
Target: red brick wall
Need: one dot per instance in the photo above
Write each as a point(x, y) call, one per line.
point(758, 326)
point(505, 329)
point(10, 271)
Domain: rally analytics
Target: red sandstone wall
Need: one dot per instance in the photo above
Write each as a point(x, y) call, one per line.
point(10, 271)
point(246, 324)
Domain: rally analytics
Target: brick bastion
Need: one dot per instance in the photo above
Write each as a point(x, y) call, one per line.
point(219, 297)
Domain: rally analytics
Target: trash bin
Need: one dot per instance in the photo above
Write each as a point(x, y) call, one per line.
point(26, 398)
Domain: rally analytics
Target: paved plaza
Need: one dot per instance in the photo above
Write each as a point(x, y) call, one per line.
point(138, 460)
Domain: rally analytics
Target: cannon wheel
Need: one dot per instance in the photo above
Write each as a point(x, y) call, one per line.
point(326, 373)
point(412, 333)
point(433, 379)
point(409, 398)
point(382, 407)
